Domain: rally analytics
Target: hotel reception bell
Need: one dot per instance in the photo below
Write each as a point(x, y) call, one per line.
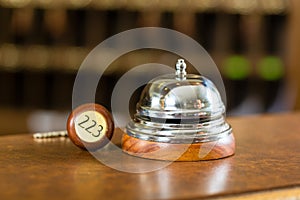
point(179, 117)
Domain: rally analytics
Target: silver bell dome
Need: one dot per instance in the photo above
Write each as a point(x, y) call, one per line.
point(179, 108)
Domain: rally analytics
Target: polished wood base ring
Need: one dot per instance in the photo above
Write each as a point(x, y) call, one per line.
point(221, 148)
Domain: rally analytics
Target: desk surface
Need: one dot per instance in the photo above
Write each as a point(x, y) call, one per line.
point(267, 158)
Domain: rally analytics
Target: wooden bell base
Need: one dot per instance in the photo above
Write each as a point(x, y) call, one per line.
point(221, 148)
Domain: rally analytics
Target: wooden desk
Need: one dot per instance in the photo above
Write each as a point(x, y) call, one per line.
point(266, 165)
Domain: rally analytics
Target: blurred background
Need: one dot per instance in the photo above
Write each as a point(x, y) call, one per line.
point(255, 44)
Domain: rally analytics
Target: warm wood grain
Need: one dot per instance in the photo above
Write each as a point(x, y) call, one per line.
point(267, 158)
point(221, 148)
point(278, 194)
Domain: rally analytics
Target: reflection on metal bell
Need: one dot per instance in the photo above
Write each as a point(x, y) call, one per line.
point(179, 117)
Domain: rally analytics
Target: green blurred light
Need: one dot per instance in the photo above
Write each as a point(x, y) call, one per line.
point(236, 67)
point(271, 68)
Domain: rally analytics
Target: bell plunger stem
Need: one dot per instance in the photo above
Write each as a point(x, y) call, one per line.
point(180, 69)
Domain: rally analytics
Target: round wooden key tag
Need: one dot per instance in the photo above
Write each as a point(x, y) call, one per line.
point(90, 126)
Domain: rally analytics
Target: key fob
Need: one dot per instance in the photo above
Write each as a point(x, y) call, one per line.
point(90, 126)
